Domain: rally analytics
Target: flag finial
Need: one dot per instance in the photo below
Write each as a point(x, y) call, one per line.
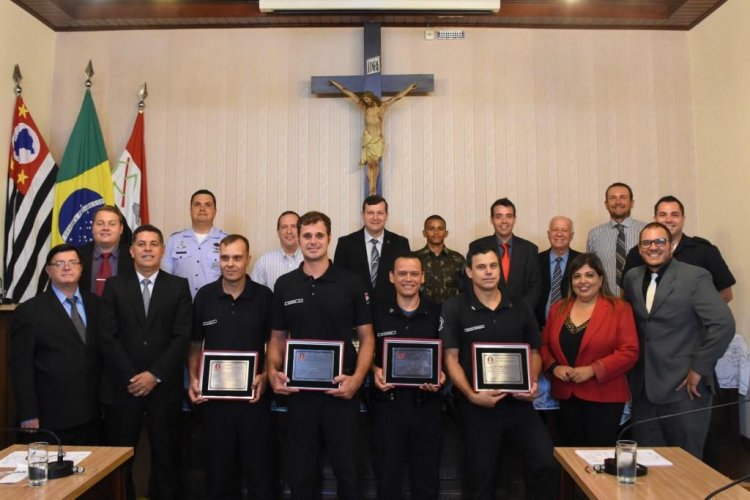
point(142, 95)
point(17, 77)
point(89, 72)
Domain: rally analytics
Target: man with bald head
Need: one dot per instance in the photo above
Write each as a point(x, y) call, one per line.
point(554, 265)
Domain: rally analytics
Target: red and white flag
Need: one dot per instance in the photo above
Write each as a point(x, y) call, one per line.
point(129, 178)
point(28, 213)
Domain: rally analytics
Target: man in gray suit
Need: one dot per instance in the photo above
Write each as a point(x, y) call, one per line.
point(684, 327)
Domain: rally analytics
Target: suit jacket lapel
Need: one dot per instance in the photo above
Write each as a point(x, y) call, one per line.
point(157, 292)
point(133, 289)
point(638, 301)
point(664, 288)
point(595, 323)
point(546, 276)
point(62, 316)
point(363, 251)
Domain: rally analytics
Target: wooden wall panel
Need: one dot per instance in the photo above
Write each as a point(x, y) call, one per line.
point(548, 118)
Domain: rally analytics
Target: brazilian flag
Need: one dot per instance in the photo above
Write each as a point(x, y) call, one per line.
point(84, 181)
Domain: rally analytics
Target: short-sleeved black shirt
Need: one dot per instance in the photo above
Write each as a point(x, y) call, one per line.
point(225, 323)
point(465, 320)
point(326, 308)
point(390, 321)
point(697, 252)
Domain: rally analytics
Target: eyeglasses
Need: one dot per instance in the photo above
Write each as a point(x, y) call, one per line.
point(59, 264)
point(659, 242)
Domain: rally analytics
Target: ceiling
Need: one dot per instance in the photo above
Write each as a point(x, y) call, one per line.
point(96, 15)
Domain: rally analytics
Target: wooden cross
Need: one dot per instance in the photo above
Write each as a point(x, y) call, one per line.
point(373, 81)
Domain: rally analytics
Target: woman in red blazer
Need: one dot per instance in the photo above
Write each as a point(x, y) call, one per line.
point(588, 345)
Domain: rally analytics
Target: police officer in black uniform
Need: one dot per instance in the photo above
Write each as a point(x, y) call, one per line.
point(488, 314)
point(407, 420)
point(690, 250)
point(322, 301)
point(234, 313)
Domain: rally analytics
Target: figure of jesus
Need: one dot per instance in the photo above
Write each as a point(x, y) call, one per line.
point(373, 143)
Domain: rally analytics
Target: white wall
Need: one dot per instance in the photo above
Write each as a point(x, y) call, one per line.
point(721, 100)
point(28, 43)
point(548, 118)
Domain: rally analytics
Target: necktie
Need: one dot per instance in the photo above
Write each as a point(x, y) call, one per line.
point(651, 291)
point(621, 252)
point(505, 262)
point(76, 318)
point(146, 294)
point(105, 271)
point(555, 294)
point(374, 259)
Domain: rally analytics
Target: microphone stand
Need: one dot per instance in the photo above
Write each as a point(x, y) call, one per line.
point(61, 467)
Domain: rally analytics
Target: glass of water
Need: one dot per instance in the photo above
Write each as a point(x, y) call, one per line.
point(625, 456)
point(37, 459)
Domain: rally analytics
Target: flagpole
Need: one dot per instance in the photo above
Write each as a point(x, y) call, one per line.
point(89, 72)
point(17, 77)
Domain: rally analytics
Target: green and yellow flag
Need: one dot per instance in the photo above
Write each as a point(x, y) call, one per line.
point(84, 181)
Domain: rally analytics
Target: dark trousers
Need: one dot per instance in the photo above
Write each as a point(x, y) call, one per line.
point(312, 416)
point(407, 437)
point(80, 435)
point(588, 423)
point(486, 429)
point(122, 427)
point(686, 431)
point(232, 431)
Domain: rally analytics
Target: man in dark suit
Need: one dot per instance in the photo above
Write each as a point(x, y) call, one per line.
point(518, 257)
point(54, 365)
point(369, 253)
point(684, 327)
point(145, 332)
point(108, 254)
point(554, 264)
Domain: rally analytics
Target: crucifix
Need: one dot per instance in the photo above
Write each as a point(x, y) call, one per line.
point(367, 90)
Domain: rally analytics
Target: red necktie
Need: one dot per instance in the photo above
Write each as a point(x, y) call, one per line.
point(505, 262)
point(105, 271)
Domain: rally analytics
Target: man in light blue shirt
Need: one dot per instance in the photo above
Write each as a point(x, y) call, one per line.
point(54, 365)
point(193, 253)
point(287, 258)
point(555, 281)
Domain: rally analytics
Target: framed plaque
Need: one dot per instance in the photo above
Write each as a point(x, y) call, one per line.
point(412, 362)
point(312, 364)
point(501, 366)
point(228, 374)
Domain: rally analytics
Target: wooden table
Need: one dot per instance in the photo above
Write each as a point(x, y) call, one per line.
point(687, 478)
point(103, 478)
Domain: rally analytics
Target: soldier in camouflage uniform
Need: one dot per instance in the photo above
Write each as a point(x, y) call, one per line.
point(443, 268)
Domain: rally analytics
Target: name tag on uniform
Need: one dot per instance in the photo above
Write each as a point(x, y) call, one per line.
point(293, 301)
point(210, 322)
point(387, 334)
point(473, 328)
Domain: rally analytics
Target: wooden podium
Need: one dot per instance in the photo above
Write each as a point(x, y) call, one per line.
point(7, 410)
point(103, 477)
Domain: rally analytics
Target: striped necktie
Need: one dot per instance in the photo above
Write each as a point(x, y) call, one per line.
point(374, 259)
point(555, 292)
point(622, 251)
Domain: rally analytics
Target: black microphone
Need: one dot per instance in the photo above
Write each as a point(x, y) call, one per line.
point(610, 465)
point(55, 470)
point(678, 414)
point(727, 486)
